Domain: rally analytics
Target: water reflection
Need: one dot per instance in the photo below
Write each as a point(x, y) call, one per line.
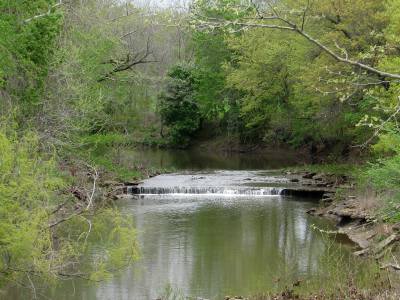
point(213, 248)
point(198, 159)
point(210, 246)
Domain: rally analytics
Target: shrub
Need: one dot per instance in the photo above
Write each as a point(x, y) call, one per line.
point(178, 107)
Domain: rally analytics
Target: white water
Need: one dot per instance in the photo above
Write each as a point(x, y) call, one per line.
point(219, 183)
point(218, 191)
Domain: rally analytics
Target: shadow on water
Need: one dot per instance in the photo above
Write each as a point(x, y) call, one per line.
point(196, 159)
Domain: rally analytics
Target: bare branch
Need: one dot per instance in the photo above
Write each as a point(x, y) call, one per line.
point(388, 266)
point(259, 14)
point(48, 13)
point(67, 218)
point(81, 210)
point(271, 26)
point(343, 50)
point(304, 15)
point(89, 230)
point(128, 33)
point(95, 177)
point(57, 209)
point(32, 285)
point(130, 62)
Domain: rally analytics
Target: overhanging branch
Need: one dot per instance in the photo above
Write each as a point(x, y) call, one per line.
point(51, 8)
point(291, 26)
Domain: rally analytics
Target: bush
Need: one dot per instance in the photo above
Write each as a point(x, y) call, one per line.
point(27, 193)
point(33, 195)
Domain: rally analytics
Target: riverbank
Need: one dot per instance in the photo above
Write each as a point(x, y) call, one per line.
point(357, 215)
point(355, 212)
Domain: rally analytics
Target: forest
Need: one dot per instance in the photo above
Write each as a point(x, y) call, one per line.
point(83, 80)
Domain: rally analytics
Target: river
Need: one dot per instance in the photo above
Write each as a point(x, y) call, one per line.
point(206, 232)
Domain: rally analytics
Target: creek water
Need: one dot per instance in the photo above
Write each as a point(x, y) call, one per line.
point(208, 233)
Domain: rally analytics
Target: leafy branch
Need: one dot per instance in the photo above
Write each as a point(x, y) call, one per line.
point(262, 20)
point(48, 13)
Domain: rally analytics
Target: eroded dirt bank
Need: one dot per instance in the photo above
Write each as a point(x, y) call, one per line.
point(356, 215)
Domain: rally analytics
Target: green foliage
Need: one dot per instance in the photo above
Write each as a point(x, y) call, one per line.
point(289, 91)
point(385, 174)
point(263, 83)
point(26, 48)
point(104, 140)
point(227, 9)
point(211, 52)
point(178, 106)
point(57, 76)
point(29, 195)
point(50, 96)
point(278, 101)
point(85, 97)
point(28, 185)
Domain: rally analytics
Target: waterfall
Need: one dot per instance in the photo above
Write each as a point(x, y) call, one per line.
point(234, 191)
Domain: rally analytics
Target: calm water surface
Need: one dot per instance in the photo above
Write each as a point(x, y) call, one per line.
point(212, 245)
point(197, 159)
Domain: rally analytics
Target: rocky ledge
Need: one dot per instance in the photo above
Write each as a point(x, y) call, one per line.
point(312, 184)
point(356, 219)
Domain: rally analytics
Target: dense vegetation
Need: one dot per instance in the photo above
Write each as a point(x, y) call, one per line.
point(320, 75)
point(76, 76)
point(284, 88)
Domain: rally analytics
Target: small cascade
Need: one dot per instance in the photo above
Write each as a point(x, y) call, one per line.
point(197, 190)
